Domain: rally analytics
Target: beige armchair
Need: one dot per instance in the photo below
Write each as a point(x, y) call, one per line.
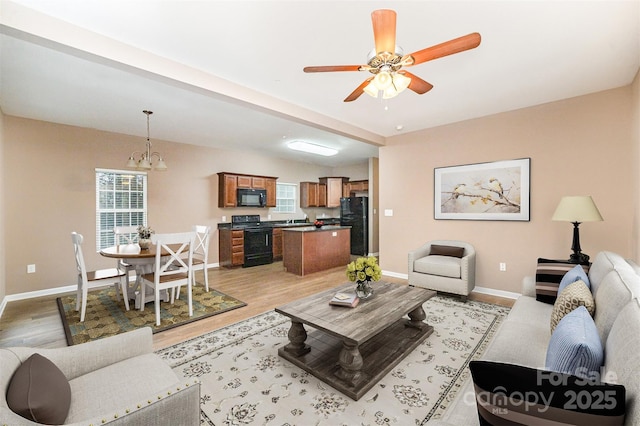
point(116, 380)
point(444, 265)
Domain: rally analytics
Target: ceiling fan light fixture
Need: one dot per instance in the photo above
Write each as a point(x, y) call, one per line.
point(312, 148)
point(383, 80)
point(371, 90)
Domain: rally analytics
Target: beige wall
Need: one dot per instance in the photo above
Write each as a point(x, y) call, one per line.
point(577, 146)
point(49, 184)
point(3, 288)
point(635, 138)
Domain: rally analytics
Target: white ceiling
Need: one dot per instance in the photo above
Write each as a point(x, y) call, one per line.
point(229, 73)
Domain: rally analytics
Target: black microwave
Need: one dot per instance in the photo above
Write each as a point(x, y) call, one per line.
point(252, 197)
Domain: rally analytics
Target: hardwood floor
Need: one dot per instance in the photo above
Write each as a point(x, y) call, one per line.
point(36, 322)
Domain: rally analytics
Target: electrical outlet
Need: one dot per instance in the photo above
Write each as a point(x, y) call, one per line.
point(224, 218)
point(503, 266)
point(31, 269)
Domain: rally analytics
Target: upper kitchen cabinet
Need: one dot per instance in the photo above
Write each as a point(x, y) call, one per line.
point(228, 184)
point(334, 189)
point(313, 194)
point(355, 187)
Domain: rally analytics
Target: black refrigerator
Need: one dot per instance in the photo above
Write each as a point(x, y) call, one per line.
point(354, 213)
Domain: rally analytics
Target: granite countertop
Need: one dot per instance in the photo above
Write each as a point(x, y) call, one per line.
point(314, 229)
point(282, 224)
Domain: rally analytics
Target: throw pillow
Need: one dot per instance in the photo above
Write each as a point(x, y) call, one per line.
point(39, 391)
point(575, 274)
point(439, 250)
point(574, 295)
point(575, 346)
point(549, 273)
point(509, 394)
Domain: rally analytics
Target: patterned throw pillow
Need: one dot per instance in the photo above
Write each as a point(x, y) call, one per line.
point(575, 294)
point(549, 273)
point(575, 346)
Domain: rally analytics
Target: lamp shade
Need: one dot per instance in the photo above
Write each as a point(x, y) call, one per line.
point(577, 208)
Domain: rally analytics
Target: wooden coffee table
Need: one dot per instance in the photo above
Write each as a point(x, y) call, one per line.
point(351, 349)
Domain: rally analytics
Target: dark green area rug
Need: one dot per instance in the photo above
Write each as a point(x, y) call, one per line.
point(106, 316)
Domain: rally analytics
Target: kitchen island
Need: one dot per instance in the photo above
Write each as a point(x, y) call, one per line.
point(309, 249)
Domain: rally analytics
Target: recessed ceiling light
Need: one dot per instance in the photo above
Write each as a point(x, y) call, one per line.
point(312, 148)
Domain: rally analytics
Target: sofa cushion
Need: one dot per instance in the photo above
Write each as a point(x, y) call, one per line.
point(617, 289)
point(575, 346)
point(574, 295)
point(440, 250)
point(575, 274)
point(622, 356)
point(152, 377)
point(604, 262)
point(39, 391)
point(444, 266)
point(508, 394)
point(549, 273)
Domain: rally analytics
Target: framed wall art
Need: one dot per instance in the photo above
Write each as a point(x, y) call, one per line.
point(499, 190)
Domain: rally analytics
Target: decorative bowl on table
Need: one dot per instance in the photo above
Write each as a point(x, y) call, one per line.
point(318, 224)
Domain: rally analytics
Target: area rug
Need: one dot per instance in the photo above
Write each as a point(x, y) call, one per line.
point(106, 316)
point(245, 382)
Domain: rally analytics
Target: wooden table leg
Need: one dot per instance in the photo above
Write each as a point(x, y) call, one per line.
point(297, 337)
point(350, 361)
point(416, 318)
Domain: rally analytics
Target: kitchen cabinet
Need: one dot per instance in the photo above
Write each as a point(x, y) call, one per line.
point(277, 244)
point(313, 194)
point(334, 189)
point(227, 189)
point(309, 192)
point(308, 250)
point(270, 186)
point(231, 247)
point(355, 186)
point(228, 184)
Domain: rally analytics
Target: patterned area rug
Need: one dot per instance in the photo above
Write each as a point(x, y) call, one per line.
point(106, 316)
point(245, 382)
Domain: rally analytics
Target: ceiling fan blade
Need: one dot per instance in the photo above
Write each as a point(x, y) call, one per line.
point(384, 30)
point(417, 84)
point(330, 68)
point(359, 91)
point(450, 47)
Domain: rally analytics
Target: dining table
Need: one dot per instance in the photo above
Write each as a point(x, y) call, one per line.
point(143, 261)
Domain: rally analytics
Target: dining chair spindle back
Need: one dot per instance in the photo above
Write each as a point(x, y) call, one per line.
point(171, 268)
point(95, 279)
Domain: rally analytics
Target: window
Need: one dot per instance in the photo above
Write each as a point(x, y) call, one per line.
point(121, 200)
point(285, 198)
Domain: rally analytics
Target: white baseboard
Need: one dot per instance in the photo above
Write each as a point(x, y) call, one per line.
point(482, 290)
point(49, 292)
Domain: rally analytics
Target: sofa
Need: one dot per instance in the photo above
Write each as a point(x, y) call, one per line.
point(116, 380)
point(524, 337)
point(439, 265)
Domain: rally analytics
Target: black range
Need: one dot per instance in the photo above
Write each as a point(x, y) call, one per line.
point(258, 239)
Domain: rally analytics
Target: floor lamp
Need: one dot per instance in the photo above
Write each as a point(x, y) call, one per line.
point(577, 209)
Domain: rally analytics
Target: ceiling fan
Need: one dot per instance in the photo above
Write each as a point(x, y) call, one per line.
point(386, 62)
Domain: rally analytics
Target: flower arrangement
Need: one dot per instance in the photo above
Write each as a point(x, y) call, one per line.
point(144, 232)
point(364, 269)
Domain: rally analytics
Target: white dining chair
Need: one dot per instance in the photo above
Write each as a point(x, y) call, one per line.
point(200, 255)
point(95, 279)
point(171, 268)
point(125, 235)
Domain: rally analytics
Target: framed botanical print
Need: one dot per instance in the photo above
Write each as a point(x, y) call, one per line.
point(498, 190)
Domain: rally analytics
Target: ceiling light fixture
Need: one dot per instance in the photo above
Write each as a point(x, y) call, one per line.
point(312, 148)
point(387, 79)
point(144, 163)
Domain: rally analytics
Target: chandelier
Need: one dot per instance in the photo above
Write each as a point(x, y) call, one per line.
point(144, 163)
